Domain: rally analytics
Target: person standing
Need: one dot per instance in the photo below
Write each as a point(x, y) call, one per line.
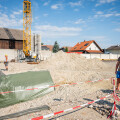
point(6, 62)
point(117, 72)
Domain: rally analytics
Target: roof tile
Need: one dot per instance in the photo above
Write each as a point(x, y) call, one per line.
point(82, 45)
point(15, 34)
point(49, 46)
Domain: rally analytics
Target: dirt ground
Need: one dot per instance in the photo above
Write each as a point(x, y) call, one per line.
point(69, 68)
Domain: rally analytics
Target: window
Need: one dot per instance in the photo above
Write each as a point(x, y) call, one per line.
point(86, 44)
point(75, 47)
point(81, 47)
point(11, 44)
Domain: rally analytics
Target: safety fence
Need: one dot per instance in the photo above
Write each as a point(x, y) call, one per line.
point(47, 86)
point(80, 106)
point(112, 113)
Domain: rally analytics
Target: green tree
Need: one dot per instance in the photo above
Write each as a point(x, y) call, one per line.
point(66, 49)
point(55, 47)
point(42, 43)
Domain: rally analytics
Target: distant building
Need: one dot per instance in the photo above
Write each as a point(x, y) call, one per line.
point(64, 47)
point(11, 39)
point(47, 47)
point(113, 49)
point(87, 47)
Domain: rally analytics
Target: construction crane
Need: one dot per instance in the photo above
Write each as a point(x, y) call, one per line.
point(27, 21)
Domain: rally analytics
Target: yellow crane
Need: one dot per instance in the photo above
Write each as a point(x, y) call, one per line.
point(27, 21)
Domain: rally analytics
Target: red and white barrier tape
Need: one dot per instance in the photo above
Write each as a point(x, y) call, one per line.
point(113, 111)
point(56, 113)
point(47, 86)
point(114, 85)
point(114, 93)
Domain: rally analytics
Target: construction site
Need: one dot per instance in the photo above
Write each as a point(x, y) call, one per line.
point(62, 86)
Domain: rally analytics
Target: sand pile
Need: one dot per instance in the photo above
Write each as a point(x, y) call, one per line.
point(73, 61)
point(74, 67)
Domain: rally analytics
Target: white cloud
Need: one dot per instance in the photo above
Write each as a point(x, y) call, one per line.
point(9, 21)
point(95, 16)
point(58, 29)
point(54, 31)
point(14, 14)
point(57, 6)
point(79, 21)
point(99, 12)
point(117, 29)
point(107, 15)
point(36, 18)
point(73, 4)
point(46, 3)
point(45, 15)
point(76, 10)
point(100, 2)
point(18, 13)
point(2, 7)
point(117, 14)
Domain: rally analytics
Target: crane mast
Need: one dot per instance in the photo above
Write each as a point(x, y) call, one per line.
point(27, 21)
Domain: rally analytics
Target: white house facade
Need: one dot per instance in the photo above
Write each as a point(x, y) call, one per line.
point(92, 46)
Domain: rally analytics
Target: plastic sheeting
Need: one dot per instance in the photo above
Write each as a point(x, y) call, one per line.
point(16, 88)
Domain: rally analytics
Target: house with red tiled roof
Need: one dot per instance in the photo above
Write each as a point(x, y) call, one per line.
point(87, 47)
point(47, 47)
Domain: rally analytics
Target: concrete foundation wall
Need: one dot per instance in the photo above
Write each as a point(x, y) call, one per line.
point(101, 56)
point(45, 54)
point(12, 54)
point(18, 54)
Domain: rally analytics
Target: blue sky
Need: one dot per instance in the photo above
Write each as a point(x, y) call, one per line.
point(67, 21)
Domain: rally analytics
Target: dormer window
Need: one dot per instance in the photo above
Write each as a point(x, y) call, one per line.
point(81, 47)
point(86, 44)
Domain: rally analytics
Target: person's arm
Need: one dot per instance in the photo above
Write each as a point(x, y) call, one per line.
point(118, 63)
point(6, 59)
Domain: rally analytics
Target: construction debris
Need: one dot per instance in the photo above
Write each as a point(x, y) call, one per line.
point(68, 68)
